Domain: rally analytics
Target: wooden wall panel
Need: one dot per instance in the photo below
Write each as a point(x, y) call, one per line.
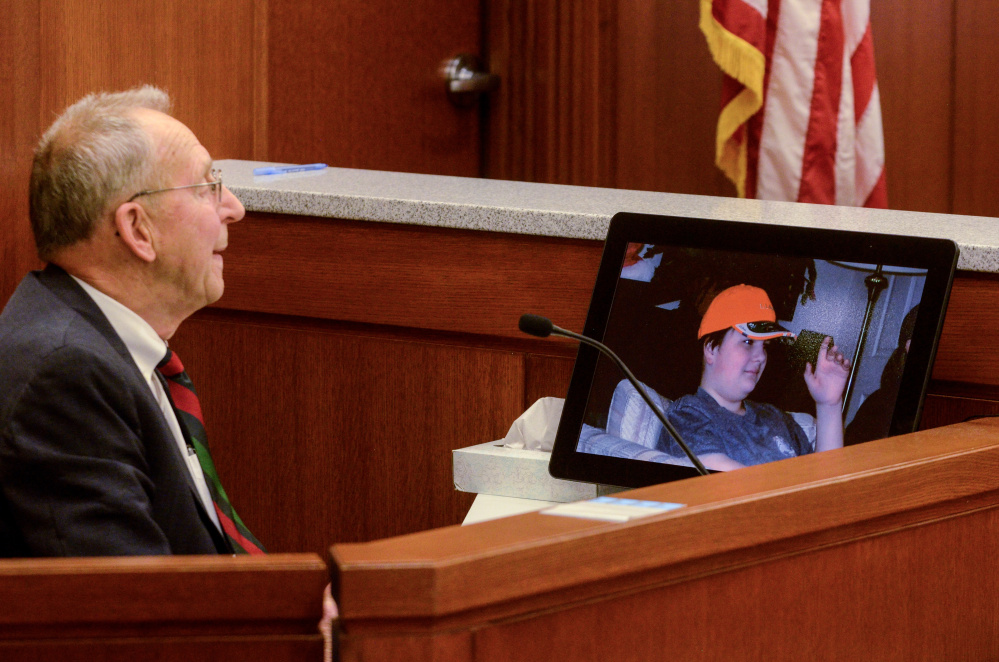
point(621, 94)
point(552, 119)
point(203, 54)
point(976, 109)
point(946, 409)
point(914, 52)
point(668, 101)
point(358, 85)
point(77, 43)
point(465, 281)
point(261, 80)
point(964, 354)
point(322, 435)
point(548, 376)
point(20, 76)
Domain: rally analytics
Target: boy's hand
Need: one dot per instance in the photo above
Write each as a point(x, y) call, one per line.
point(827, 379)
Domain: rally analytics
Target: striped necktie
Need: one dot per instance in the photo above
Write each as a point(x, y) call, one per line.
point(185, 403)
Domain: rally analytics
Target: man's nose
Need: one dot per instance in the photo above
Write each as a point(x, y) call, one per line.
point(232, 209)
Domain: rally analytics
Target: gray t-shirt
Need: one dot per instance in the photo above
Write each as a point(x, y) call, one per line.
point(763, 434)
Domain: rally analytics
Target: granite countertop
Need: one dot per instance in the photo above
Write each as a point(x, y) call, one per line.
point(566, 211)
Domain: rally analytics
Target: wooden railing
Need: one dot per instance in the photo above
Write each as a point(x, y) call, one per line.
point(162, 608)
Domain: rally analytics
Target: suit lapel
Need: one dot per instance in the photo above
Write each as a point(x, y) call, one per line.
point(62, 285)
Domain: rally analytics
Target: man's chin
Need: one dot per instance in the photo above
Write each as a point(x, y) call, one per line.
point(214, 292)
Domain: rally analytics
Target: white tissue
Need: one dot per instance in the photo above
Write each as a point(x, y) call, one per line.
point(535, 429)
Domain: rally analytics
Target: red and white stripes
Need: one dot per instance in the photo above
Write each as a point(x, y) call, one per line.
point(808, 126)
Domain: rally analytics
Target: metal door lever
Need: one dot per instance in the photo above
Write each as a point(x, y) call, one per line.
point(466, 82)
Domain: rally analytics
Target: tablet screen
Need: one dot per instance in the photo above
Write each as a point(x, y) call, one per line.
point(758, 342)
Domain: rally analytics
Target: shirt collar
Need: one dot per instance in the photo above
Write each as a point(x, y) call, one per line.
point(143, 343)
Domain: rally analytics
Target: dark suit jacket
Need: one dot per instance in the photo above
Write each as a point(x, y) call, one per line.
point(88, 466)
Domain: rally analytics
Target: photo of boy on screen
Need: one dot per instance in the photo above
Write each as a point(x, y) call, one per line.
point(719, 423)
point(738, 349)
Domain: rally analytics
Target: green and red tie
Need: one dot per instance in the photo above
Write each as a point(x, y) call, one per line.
point(188, 409)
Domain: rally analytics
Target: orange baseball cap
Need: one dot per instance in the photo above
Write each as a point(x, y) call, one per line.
point(746, 309)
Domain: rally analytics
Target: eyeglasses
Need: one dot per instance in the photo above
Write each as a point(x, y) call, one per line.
point(216, 185)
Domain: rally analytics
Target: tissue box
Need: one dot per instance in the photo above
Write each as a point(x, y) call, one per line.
point(492, 468)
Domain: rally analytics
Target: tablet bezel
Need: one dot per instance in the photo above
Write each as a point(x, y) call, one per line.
point(937, 256)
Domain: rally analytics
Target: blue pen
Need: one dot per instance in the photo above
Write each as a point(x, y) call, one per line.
point(281, 170)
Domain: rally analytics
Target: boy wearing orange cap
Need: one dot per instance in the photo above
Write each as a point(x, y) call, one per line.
point(720, 425)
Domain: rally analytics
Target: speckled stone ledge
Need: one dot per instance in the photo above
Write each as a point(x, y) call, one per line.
point(566, 211)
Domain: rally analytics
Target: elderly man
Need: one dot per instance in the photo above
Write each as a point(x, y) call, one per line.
point(102, 450)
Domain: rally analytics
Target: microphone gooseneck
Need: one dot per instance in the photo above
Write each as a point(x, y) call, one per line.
point(542, 327)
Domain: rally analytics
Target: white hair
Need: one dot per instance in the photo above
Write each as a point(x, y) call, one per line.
point(94, 152)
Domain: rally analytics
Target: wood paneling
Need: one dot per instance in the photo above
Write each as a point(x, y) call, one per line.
point(358, 85)
point(976, 109)
point(548, 376)
point(20, 74)
point(157, 608)
point(203, 54)
point(669, 95)
point(261, 80)
point(889, 597)
point(405, 275)
point(321, 435)
point(914, 52)
point(944, 409)
point(552, 119)
point(613, 93)
point(601, 93)
point(446, 647)
point(819, 556)
point(964, 354)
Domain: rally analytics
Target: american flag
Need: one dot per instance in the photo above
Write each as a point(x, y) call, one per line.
point(801, 115)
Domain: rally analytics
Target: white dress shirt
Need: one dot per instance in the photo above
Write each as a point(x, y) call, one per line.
point(147, 350)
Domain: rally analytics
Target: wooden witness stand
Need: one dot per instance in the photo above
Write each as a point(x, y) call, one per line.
point(884, 550)
point(880, 551)
point(194, 609)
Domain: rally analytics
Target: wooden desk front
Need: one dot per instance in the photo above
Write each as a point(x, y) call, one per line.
point(880, 551)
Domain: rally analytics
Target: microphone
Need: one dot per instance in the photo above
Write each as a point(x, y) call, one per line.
point(536, 325)
point(542, 327)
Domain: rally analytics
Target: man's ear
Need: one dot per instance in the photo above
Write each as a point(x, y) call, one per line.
point(135, 229)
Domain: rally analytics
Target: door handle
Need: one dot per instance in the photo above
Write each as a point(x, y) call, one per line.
point(465, 80)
